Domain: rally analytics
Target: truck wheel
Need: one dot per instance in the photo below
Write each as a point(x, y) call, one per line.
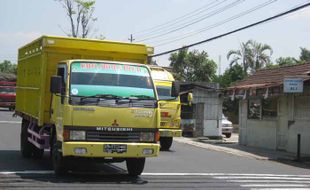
point(25, 146)
point(58, 160)
point(135, 166)
point(165, 143)
point(228, 135)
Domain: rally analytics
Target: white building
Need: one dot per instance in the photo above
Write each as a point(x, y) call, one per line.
point(203, 117)
point(273, 112)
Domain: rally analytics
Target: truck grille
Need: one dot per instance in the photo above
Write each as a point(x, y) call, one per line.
point(103, 136)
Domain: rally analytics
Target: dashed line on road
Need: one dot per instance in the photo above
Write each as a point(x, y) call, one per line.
point(273, 185)
point(27, 172)
point(11, 122)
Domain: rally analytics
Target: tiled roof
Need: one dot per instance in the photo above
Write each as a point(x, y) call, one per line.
point(274, 77)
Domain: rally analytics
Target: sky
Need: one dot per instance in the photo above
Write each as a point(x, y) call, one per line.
point(22, 21)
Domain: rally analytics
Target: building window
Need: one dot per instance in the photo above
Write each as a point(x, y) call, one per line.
point(270, 107)
point(254, 109)
point(302, 108)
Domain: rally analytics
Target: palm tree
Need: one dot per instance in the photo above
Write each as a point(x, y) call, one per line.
point(261, 55)
point(241, 57)
point(251, 56)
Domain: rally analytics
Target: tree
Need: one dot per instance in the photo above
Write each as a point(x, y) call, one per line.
point(251, 56)
point(80, 13)
point(8, 67)
point(286, 61)
point(231, 75)
point(261, 55)
point(304, 55)
point(242, 56)
point(192, 66)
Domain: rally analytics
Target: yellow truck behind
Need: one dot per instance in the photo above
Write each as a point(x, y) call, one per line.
point(87, 99)
point(170, 107)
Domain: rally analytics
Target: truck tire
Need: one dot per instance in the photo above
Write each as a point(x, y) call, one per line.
point(135, 166)
point(228, 135)
point(26, 147)
point(165, 143)
point(58, 160)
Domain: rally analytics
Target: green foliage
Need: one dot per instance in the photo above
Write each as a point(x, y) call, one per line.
point(8, 67)
point(80, 13)
point(304, 55)
point(231, 75)
point(192, 66)
point(286, 61)
point(251, 56)
point(241, 56)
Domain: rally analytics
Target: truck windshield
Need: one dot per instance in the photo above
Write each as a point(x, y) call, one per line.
point(164, 93)
point(7, 90)
point(122, 80)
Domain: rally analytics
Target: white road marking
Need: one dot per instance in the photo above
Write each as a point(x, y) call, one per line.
point(230, 176)
point(267, 181)
point(273, 185)
point(27, 172)
point(11, 122)
point(297, 188)
point(263, 177)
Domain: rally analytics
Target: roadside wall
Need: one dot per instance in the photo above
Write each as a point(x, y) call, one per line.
point(278, 133)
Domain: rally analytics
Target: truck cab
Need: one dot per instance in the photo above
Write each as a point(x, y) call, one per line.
point(170, 107)
point(89, 100)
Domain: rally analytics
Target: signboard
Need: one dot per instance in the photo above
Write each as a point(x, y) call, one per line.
point(293, 85)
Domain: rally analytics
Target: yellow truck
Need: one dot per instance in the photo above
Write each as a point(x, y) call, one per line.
point(84, 98)
point(170, 107)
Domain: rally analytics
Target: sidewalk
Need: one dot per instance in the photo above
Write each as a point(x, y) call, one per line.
point(231, 146)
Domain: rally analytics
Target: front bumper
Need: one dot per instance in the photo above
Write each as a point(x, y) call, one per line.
point(170, 132)
point(227, 130)
point(96, 149)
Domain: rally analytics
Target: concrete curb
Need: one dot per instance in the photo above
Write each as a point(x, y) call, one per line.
point(220, 149)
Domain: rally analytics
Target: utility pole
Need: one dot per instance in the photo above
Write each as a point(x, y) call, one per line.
point(131, 39)
point(219, 71)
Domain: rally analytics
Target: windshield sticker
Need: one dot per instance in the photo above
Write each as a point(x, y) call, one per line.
point(160, 75)
point(110, 68)
point(89, 90)
point(74, 91)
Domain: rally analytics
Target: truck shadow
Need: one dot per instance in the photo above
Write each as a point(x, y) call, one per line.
point(41, 170)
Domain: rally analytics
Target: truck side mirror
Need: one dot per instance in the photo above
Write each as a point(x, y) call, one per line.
point(175, 89)
point(55, 86)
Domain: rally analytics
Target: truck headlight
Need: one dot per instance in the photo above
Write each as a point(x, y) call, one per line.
point(147, 137)
point(77, 135)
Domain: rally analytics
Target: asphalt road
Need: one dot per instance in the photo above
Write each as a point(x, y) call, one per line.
point(184, 167)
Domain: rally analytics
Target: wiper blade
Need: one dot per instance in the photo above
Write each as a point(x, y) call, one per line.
point(104, 96)
point(142, 97)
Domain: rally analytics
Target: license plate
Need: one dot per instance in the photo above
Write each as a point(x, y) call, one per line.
point(118, 148)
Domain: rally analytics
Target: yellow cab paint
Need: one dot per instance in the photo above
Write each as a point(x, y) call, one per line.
point(48, 56)
point(170, 109)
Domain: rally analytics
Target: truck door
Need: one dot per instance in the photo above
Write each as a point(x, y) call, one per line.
point(58, 102)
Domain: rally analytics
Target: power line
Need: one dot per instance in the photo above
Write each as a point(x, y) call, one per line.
point(194, 21)
point(234, 31)
point(188, 15)
point(169, 40)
